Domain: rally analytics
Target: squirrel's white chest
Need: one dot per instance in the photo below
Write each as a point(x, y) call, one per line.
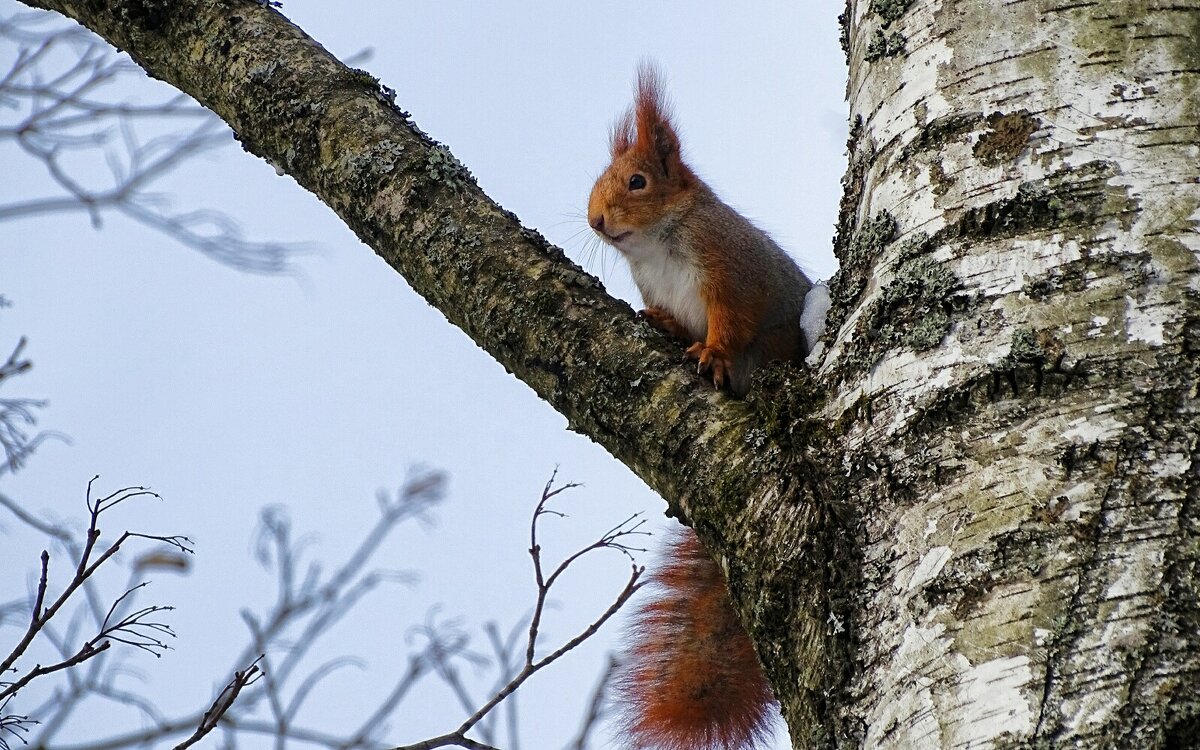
point(673, 283)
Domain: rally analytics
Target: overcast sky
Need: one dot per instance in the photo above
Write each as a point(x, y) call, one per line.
point(226, 392)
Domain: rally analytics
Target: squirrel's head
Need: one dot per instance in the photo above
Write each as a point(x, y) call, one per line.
point(647, 178)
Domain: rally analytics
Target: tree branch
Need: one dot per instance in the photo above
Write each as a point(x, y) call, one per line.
point(132, 629)
point(339, 134)
point(54, 98)
point(223, 702)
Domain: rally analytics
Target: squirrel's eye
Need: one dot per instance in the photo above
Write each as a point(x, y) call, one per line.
point(637, 182)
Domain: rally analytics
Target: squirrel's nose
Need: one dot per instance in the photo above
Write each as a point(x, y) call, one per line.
point(598, 223)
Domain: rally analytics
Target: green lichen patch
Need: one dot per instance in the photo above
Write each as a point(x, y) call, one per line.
point(365, 80)
point(1006, 138)
point(889, 11)
point(853, 184)
point(884, 45)
point(436, 169)
point(785, 400)
point(850, 279)
point(1069, 198)
point(1024, 349)
point(444, 167)
point(939, 133)
point(871, 238)
point(379, 160)
point(928, 332)
point(912, 312)
point(915, 245)
point(920, 278)
point(1038, 359)
point(856, 252)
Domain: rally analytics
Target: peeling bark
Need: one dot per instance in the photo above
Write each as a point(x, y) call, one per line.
point(976, 523)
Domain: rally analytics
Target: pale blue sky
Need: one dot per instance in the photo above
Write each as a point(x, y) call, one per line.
point(226, 392)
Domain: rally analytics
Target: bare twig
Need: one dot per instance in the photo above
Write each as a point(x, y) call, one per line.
point(612, 539)
point(223, 702)
point(268, 702)
point(133, 629)
point(447, 644)
point(418, 665)
point(595, 709)
point(61, 115)
point(14, 365)
point(13, 725)
point(86, 652)
point(308, 603)
point(17, 414)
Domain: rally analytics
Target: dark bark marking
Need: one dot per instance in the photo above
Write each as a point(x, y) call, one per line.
point(1006, 138)
point(1072, 6)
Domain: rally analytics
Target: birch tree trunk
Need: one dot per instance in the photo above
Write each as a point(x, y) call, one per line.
point(1018, 361)
point(975, 525)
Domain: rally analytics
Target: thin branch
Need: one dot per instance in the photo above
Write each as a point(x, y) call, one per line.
point(453, 739)
point(223, 703)
point(86, 652)
point(14, 365)
point(631, 586)
point(314, 678)
point(612, 539)
point(40, 599)
point(418, 666)
point(18, 414)
point(133, 630)
point(447, 643)
point(595, 709)
point(57, 532)
point(13, 725)
point(57, 90)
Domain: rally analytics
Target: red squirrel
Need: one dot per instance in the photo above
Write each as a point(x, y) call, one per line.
point(712, 279)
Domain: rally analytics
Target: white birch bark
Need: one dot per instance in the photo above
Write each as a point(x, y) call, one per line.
point(1023, 449)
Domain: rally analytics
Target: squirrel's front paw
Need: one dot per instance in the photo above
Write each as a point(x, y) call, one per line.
point(663, 321)
point(713, 360)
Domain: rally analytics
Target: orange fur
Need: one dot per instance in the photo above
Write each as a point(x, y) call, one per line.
point(642, 141)
point(711, 278)
point(733, 315)
point(693, 682)
point(751, 293)
point(665, 322)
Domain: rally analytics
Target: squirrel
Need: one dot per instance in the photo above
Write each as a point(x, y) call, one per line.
point(706, 274)
point(718, 283)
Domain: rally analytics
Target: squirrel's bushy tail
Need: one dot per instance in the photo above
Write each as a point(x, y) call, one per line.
point(692, 680)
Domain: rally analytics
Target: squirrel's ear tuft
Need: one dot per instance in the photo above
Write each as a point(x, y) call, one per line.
point(622, 136)
point(652, 119)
